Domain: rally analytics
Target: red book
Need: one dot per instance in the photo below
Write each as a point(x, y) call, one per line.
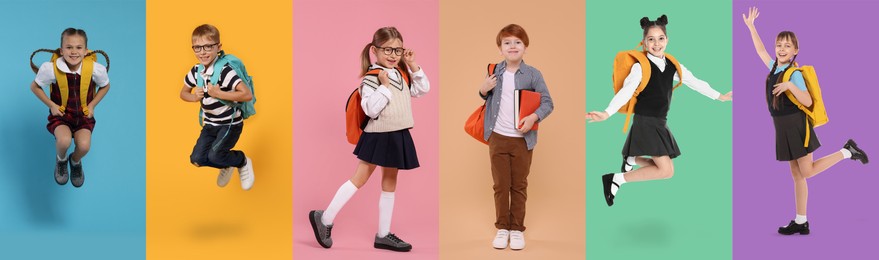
point(526, 102)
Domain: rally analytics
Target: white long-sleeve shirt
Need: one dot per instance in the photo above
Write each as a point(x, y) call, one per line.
point(374, 101)
point(630, 84)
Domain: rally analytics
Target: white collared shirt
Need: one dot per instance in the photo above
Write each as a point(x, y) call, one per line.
point(630, 84)
point(46, 75)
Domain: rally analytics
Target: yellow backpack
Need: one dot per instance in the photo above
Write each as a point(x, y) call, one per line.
point(622, 65)
point(88, 65)
point(816, 115)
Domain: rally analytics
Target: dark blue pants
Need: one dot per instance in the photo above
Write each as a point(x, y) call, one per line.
point(214, 147)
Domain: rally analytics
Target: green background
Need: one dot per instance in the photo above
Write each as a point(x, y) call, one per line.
point(689, 215)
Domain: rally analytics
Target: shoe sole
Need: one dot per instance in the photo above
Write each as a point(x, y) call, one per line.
point(804, 232)
point(396, 249)
point(314, 228)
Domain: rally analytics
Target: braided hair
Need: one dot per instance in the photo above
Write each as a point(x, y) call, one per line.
point(781, 36)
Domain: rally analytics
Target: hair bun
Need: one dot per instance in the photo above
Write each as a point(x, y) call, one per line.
point(645, 22)
point(662, 20)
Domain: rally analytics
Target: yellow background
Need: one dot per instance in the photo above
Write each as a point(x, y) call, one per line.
point(555, 217)
point(188, 216)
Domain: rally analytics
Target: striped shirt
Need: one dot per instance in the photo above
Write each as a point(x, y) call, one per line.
point(215, 112)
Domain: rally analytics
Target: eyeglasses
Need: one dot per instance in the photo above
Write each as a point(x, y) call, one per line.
point(207, 47)
point(389, 50)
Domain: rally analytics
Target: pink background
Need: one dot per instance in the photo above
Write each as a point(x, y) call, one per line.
point(328, 37)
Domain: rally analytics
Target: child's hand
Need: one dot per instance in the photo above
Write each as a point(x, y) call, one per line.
point(488, 85)
point(596, 116)
point(782, 87)
point(526, 123)
point(725, 97)
point(213, 90)
point(199, 93)
point(383, 78)
point(753, 13)
point(409, 58)
point(55, 110)
point(91, 112)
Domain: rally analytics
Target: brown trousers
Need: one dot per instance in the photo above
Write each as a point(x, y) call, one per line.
point(510, 165)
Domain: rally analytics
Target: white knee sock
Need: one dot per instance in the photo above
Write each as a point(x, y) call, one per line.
point(342, 196)
point(800, 219)
point(846, 154)
point(385, 210)
point(619, 180)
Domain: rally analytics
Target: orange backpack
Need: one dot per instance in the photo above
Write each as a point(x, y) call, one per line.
point(622, 65)
point(355, 118)
point(475, 124)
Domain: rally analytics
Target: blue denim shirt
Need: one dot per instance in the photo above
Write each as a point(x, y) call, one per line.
point(527, 78)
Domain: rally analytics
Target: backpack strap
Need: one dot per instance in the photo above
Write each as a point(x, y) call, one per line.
point(809, 114)
point(61, 77)
point(678, 68)
point(491, 67)
point(641, 57)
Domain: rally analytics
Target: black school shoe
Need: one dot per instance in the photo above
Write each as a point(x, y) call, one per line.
point(857, 153)
point(794, 228)
point(76, 175)
point(626, 166)
point(607, 181)
point(61, 175)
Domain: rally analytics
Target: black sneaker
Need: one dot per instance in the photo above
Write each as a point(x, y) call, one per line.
point(76, 175)
point(626, 166)
point(857, 153)
point(391, 242)
point(323, 233)
point(794, 228)
point(61, 176)
point(607, 181)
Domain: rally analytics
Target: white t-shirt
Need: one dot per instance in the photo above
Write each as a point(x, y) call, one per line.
point(506, 121)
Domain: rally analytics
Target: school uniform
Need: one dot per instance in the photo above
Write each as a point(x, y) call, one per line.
point(223, 124)
point(386, 140)
point(650, 134)
point(73, 117)
point(510, 152)
point(789, 121)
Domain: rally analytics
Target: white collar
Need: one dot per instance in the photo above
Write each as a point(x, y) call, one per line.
point(62, 66)
point(656, 60)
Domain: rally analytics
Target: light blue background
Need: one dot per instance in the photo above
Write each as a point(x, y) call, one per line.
point(105, 218)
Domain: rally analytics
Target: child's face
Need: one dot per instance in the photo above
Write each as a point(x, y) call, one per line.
point(655, 41)
point(512, 48)
point(388, 55)
point(785, 50)
point(206, 50)
point(73, 49)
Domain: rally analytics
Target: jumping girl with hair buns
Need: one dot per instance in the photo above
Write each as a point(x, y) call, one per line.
point(650, 143)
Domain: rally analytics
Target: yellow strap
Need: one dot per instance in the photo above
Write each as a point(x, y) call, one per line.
point(808, 133)
point(88, 67)
point(628, 115)
point(61, 78)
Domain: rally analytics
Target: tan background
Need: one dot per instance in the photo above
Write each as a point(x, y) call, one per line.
point(555, 218)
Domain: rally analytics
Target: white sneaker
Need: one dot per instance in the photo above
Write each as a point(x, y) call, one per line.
point(501, 239)
point(246, 174)
point(517, 240)
point(225, 176)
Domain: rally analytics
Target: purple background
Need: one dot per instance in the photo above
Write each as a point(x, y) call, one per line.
point(838, 39)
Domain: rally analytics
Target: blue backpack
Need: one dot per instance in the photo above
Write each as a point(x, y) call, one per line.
point(247, 108)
